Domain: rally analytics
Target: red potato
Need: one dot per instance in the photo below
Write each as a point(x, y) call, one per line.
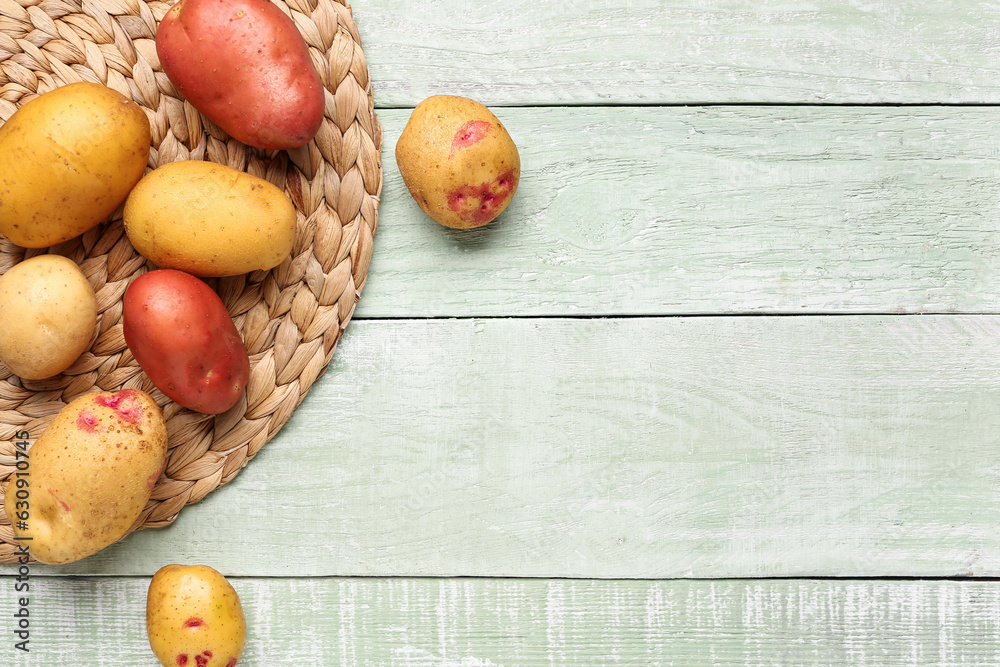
point(181, 334)
point(243, 64)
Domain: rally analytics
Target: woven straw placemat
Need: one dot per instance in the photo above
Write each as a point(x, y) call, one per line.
point(290, 317)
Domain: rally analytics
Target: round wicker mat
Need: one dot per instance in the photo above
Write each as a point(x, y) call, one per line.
point(290, 317)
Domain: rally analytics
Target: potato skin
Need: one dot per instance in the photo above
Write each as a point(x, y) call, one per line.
point(91, 473)
point(68, 159)
point(181, 334)
point(50, 312)
point(243, 64)
point(208, 219)
point(194, 618)
point(458, 161)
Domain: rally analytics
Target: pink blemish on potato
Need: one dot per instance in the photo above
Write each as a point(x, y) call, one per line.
point(182, 659)
point(87, 421)
point(114, 400)
point(202, 658)
point(193, 622)
point(151, 482)
point(469, 134)
point(231, 663)
point(479, 203)
point(53, 494)
point(125, 403)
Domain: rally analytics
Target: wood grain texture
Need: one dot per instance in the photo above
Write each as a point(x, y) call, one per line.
point(674, 447)
point(520, 52)
point(712, 210)
point(488, 622)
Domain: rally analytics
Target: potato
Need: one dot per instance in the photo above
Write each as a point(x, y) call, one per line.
point(89, 476)
point(245, 66)
point(208, 219)
point(194, 618)
point(181, 334)
point(458, 161)
point(68, 159)
point(50, 314)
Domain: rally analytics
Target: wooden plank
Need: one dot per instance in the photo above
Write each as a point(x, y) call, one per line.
point(480, 622)
point(643, 447)
point(520, 52)
point(625, 211)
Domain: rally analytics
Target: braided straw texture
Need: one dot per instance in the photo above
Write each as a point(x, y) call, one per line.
point(290, 317)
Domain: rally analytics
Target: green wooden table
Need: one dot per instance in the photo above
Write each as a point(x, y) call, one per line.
point(722, 386)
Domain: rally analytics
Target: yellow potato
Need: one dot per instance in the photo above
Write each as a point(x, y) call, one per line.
point(194, 618)
point(51, 314)
point(89, 476)
point(68, 159)
point(458, 161)
point(209, 220)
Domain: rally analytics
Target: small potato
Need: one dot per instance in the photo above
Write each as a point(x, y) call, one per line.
point(50, 314)
point(181, 334)
point(458, 161)
point(194, 618)
point(68, 159)
point(91, 473)
point(209, 220)
point(244, 64)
